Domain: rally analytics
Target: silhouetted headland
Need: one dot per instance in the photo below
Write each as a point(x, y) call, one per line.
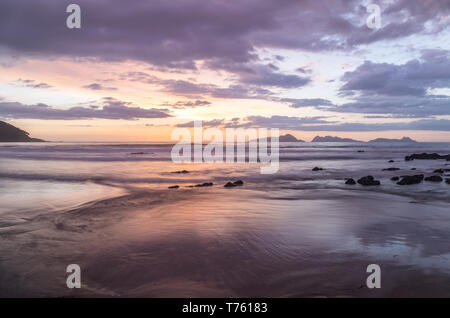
point(9, 133)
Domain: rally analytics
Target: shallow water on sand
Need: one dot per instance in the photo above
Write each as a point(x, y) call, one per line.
point(295, 233)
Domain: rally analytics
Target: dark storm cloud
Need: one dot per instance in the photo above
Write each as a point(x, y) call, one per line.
point(199, 90)
point(109, 109)
point(413, 78)
point(261, 75)
point(179, 33)
point(383, 88)
point(227, 35)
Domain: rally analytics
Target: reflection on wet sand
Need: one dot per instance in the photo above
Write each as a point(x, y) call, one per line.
point(218, 242)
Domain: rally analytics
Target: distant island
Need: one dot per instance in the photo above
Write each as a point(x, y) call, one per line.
point(289, 138)
point(9, 133)
point(404, 139)
point(284, 138)
point(332, 139)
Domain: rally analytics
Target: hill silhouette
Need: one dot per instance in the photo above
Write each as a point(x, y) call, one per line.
point(9, 133)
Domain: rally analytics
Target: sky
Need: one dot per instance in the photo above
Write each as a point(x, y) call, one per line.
point(138, 69)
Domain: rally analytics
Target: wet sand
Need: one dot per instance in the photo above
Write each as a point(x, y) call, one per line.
point(243, 242)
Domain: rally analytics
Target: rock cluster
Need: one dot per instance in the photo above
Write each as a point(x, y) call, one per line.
point(368, 181)
point(427, 156)
point(434, 179)
point(407, 180)
point(234, 184)
point(181, 171)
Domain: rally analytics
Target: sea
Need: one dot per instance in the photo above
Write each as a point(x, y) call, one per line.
point(107, 207)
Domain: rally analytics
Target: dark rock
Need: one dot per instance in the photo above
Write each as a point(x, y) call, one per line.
point(317, 169)
point(350, 181)
point(391, 161)
point(361, 151)
point(181, 171)
point(174, 187)
point(141, 153)
point(234, 184)
point(368, 181)
point(427, 156)
point(395, 178)
point(438, 171)
point(391, 169)
point(407, 180)
point(413, 168)
point(434, 179)
point(206, 184)
point(447, 180)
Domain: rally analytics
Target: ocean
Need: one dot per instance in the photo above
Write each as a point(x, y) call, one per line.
point(295, 233)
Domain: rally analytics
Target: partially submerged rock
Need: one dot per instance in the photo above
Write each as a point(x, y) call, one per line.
point(391, 169)
point(205, 184)
point(434, 179)
point(234, 184)
point(350, 181)
point(390, 161)
point(181, 171)
point(407, 180)
point(447, 180)
point(174, 187)
point(317, 169)
point(427, 156)
point(395, 178)
point(438, 171)
point(368, 181)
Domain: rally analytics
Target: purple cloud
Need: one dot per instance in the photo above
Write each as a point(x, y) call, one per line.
point(99, 87)
point(110, 109)
point(32, 83)
point(179, 33)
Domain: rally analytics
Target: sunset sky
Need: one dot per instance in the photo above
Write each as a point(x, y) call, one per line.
point(137, 69)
